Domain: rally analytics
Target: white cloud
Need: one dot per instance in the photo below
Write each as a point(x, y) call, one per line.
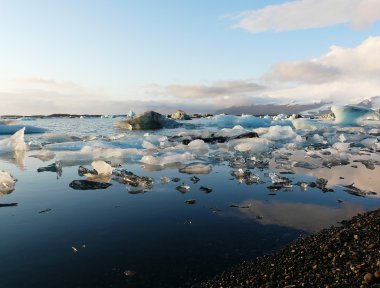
point(305, 14)
point(343, 75)
point(223, 89)
point(304, 216)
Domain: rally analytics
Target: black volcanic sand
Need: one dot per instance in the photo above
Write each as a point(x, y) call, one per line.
point(345, 256)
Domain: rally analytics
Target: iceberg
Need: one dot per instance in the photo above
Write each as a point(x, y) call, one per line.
point(10, 129)
point(14, 143)
point(350, 115)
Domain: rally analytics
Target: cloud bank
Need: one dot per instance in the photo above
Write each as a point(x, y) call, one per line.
point(306, 14)
point(342, 75)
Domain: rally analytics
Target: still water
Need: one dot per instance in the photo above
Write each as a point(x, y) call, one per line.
point(60, 237)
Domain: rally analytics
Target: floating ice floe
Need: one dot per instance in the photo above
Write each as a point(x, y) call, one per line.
point(227, 121)
point(89, 153)
point(166, 160)
point(13, 143)
point(7, 182)
point(350, 114)
point(102, 168)
point(59, 138)
point(369, 142)
point(253, 145)
point(196, 168)
point(10, 129)
point(280, 133)
point(305, 124)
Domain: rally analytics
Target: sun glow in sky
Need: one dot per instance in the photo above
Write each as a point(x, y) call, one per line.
point(69, 56)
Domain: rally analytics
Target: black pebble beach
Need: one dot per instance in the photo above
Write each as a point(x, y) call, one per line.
point(344, 256)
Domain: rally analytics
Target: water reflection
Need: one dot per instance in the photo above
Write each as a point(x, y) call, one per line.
point(365, 179)
point(304, 216)
point(17, 158)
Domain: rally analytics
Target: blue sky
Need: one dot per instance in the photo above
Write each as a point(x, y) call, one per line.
point(112, 56)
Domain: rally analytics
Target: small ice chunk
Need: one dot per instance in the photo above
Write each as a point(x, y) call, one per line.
point(254, 145)
point(342, 138)
point(102, 168)
point(169, 159)
point(341, 147)
point(148, 145)
point(196, 168)
point(261, 130)
point(316, 139)
point(59, 138)
point(114, 137)
point(13, 143)
point(183, 188)
point(165, 179)
point(369, 142)
point(304, 124)
point(277, 132)
point(198, 144)
point(7, 182)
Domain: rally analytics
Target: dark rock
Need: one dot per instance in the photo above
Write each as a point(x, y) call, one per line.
point(191, 201)
point(8, 205)
point(88, 185)
point(205, 189)
point(54, 167)
point(127, 177)
point(149, 120)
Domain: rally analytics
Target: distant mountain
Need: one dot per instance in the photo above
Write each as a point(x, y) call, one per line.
point(270, 109)
point(373, 103)
point(303, 109)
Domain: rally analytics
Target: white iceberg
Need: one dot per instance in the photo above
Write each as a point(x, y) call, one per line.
point(10, 129)
point(166, 160)
point(280, 133)
point(7, 182)
point(350, 115)
point(102, 168)
point(14, 143)
point(254, 145)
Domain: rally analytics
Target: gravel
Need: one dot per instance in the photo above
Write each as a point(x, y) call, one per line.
point(344, 256)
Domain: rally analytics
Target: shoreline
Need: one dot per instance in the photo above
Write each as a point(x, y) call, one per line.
point(344, 256)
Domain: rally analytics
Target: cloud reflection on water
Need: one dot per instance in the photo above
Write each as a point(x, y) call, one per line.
point(304, 216)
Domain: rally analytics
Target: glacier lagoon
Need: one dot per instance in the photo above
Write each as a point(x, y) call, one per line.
point(298, 177)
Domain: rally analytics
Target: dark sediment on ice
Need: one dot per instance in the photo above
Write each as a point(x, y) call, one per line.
point(345, 256)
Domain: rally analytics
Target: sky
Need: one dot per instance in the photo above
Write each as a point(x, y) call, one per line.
point(112, 56)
